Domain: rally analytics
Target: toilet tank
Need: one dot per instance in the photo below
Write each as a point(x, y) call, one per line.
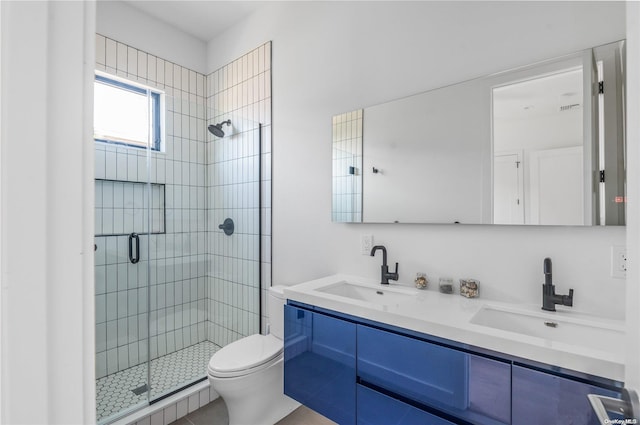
point(275, 309)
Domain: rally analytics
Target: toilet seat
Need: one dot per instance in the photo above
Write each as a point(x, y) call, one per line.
point(245, 356)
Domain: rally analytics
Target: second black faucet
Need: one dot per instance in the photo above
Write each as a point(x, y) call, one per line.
point(385, 275)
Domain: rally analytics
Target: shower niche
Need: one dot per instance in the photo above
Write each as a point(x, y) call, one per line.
point(121, 208)
point(191, 289)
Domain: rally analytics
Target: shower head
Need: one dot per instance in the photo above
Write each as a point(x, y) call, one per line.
point(216, 130)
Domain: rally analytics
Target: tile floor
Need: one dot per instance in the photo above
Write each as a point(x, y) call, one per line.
point(215, 413)
point(114, 392)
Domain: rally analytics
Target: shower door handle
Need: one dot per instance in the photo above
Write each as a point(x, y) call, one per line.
point(132, 258)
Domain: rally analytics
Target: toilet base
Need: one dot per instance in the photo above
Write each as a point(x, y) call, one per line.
point(256, 399)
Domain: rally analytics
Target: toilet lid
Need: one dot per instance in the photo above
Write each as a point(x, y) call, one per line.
point(246, 353)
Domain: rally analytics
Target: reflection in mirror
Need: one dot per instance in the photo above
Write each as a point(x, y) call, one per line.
point(432, 153)
point(550, 142)
point(526, 146)
point(538, 157)
point(347, 167)
point(611, 151)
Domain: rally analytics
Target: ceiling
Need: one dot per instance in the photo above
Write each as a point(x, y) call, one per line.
point(204, 20)
point(546, 95)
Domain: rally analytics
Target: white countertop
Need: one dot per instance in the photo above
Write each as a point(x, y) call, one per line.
point(448, 316)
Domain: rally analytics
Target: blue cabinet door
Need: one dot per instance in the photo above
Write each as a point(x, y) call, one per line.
point(375, 408)
point(542, 398)
point(320, 362)
point(470, 387)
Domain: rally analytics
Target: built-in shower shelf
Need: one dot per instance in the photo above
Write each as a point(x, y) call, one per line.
point(125, 207)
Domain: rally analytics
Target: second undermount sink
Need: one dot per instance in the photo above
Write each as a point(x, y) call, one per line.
point(556, 327)
point(377, 295)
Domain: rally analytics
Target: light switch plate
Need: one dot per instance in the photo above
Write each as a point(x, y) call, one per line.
point(366, 244)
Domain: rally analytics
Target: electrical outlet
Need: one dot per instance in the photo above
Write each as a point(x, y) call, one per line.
point(366, 244)
point(619, 262)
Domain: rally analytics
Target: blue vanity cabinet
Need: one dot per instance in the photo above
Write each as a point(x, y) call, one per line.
point(466, 386)
point(543, 398)
point(355, 371)
point(320, 363)
point(375, 408)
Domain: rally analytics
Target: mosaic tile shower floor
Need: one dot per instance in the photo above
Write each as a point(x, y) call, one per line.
point(115, 392)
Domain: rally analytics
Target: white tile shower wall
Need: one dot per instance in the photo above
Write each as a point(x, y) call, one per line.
point(347, 167)
point(175, 301)
point(241, 92)
point(120, 207)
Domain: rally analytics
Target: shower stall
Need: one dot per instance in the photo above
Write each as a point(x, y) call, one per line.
point(181, 222)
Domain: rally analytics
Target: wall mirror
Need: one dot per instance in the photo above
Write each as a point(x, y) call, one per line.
point(539, 145)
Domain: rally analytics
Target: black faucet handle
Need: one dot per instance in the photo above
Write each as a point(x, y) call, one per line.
point(548, 277)
point(395, 273)
point(547, 266)
point(569, 299)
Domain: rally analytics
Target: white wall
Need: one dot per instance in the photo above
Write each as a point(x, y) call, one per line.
point(122, 22)
point(47, 248)
point(334, 57)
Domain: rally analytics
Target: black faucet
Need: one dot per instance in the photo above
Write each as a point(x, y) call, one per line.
point(385, 276)
point(549, 296)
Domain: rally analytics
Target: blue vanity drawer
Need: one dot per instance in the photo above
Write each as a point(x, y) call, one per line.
point(542, 398)
point(319, 363)
point(471, 387)
point(375, 408)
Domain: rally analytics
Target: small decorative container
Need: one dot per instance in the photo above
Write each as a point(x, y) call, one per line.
point(469, 288)
point(446, 285)
point(421, 280)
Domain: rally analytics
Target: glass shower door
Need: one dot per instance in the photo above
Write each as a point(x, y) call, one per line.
point(124, 222)
point(121, 275)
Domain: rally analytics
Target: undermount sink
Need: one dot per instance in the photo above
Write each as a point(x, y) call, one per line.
point(556, 327)
point(381, 295)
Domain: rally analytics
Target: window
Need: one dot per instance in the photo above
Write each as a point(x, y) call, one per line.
point(127, 113)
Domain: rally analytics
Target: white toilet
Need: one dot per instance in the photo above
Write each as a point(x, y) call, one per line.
point(249, 373)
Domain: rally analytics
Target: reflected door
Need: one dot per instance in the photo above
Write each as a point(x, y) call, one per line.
point(556, 186)
point(508, 189)
point(542, 113)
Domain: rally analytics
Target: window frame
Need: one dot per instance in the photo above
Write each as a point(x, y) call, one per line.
point(157, 107)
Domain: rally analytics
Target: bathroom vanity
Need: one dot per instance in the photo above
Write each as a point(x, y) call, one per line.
point(359, 352)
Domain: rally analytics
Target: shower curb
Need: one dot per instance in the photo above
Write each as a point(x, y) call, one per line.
point(171, 408)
